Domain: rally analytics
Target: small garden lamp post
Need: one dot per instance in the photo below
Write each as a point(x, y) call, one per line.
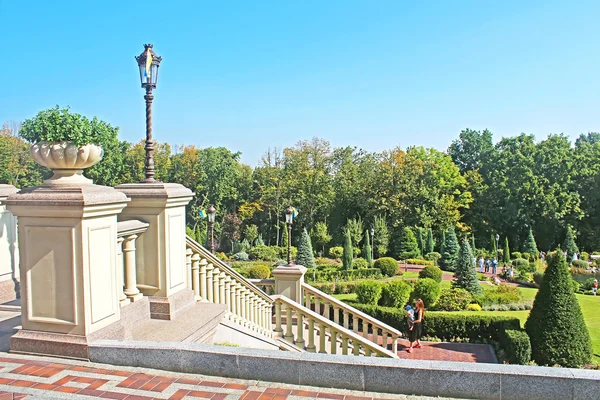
point(289, 219)
point(148, 62)
point(212, 212)
point(372, 244)
point(497, 248)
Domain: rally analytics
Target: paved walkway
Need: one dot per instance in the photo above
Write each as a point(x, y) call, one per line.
point(47, 378)
point(444, 351)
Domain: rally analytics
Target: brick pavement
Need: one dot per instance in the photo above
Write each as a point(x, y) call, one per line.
point(46, 378)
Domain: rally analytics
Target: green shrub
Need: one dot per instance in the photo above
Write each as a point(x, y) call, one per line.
point(580, 264)
point(473, 307)
point(451, 248)
point(432, 272)
point(526, 256)
point(345, 287)
point(221, 256)
point(585, 256)
point(323, 261)
point(515, 255)
point(538, 276)
point(336, 252)
point(305, 252)
point(265, 253)
point(555, 325)
point(395, 294)
point(408, 247)
point(465, 276)
point(517, 346)
point(575, 286)
point(368, 292)
point(241, 256)
point(502, 294)
point(587, 285)
point(522, 264)
point(418, 261)
point(454, 299)
point(360, 262)
point(282, 251)
point(387, 265)
point(433, 256)
point(260, 272)
point(427, 290)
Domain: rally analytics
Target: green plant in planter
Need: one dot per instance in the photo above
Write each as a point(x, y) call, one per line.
point(57, 125)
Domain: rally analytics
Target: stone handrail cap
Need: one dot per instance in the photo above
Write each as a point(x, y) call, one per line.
point(157, 189)
point(7, 190)
point(66, 196)
point(131, 227)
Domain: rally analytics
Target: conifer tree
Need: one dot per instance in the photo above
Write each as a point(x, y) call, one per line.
point(555, 325)
point(420, 241)
point(494, 247)
point(347, 257)
point(472, 242)
point(367, 249)
point(305, 255)
point(443, 242)
point(506, 254)
point(430, 243)
point(465, 276)
point(451, 250)
point(530, 246)
point(569, 244)
point(408, 247)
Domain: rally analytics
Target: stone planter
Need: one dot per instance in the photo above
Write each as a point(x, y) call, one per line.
point(67, 161)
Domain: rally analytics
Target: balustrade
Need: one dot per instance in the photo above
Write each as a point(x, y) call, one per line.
point(127, 234)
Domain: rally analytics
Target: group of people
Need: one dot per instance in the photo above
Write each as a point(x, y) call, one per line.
point(486, 265)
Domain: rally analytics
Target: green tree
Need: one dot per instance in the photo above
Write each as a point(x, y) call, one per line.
point(569, 243)
point(430, 247)
point(451, 250)
point(251, 233)
point(408, 247)
point(443, 243)
point(305, 255)
point(355, 227)
point(320, 235)
point(494, 248)
point(285, 235)
point(381, 239)
point(348, 256)
point(555, 325)
point(530, 246)
point(420, 241)
point(473, 242)
point(231, 229)
point(506, 254)
point(367, 249)
point(465, 276)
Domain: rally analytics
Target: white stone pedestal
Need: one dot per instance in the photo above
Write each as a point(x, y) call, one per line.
point(161, 259)
point(288, 281)
point(68, 266)
point(9, 249)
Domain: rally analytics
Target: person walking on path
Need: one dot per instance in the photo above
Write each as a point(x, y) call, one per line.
point(595, 286)
point(481, 262)
point(414, 335)
point(494, 266)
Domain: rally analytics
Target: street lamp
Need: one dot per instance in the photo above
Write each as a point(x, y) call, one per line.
point(212, 212)
point(372, 243)
point(497, 248)
point(148, 62)
point(289, 219)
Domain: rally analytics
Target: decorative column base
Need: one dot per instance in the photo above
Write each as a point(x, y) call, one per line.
point(166, 308)
point(50, 344)
point(288, 281)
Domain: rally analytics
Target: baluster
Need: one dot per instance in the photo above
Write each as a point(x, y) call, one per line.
point(300, 330)
point(365, 329)
point(326, 309)
point(311, 348)
point(247, 306)
point(333, 339)
point(261, 314)
point(251, 310)
point(375, 334)
point(317, 304)
point(209, 283)
point(222, 298)
point(395, 344)
point(355, 323)
point(196, 275)
point(188, 266)
point(228, 293)
point(346, 319)
point(123, 299)
point(355, 348)
point(307, 299)
point(238, 300)
point(384, 339)
point(336, 314)
point(278, 329)
point(215, 284)
point(289, 336)
point(345, 345)
point(322, 338)
point(268, 317)
point(233, 299)
point(131, 289)
point(202, 278)
point(368, 352)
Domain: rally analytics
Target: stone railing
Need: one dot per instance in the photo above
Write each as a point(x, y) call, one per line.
point(127, 234)
point(311, 324)
point(216, 282)
point(324, 304)
point(266, 285)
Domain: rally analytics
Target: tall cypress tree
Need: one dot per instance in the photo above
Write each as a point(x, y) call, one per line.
point(367, 249)
point(420, 241)
point(451, 250)
point(443, 242)
point(494, 247)
point(530, 246)
point(430, 243)
point(555, 325)
point(409, 247)
point(348, 256)
point(506, 254)
point(305, 255)
point(465, 276)
point(569, 244)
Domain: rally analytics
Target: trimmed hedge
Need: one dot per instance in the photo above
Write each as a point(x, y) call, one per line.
point(331, 273)
point(432, 272)
point(454, 299)
point(427, 290)
point(517, 346)
point(387, 265)
point(395, 294)
point(368, 292)
point(260, 272)
point(580, 264)
point(418, 261)
point(266, 253)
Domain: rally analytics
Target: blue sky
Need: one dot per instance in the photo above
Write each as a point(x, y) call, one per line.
point(252, 75)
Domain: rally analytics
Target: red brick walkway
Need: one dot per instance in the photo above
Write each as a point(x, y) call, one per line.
point(443, 351)
point(45, 378)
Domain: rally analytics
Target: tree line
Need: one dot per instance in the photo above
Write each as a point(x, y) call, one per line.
point(478, 187)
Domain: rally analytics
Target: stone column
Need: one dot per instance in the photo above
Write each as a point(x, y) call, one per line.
point(196, 275)
point(289, 280)
point(161, 257)
point(9, 250)
point(123, 299)
point(131, 290)
point(68, 253)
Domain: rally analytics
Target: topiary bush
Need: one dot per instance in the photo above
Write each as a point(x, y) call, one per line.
point(387, 265)
point(517, 346)
point(368, 292)
point(336, 252)
point(538, 277)
point(555, 325)
point(305, 256)
point(502, 294)
point(522, 264)
point(241, 256)
point(515, 255)
point(432, 272)
point(259, 272)
point(221, 256)
point(395, 294)
point(360, 263)
point(418, 261)
point(408, 248)
point(473, 307)
point(526, 256)
point(575, 286)
point(585, 256)
point(450, 251)
point(465, 276)
point(433, 256)
point(454, 299)
point(265, 253)
point(580, 264)
point(427, 290)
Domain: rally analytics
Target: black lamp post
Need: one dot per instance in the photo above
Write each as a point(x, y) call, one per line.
point(497, 248)
point(289, 219)
point(212, 212)
point(148, 62)
point(372, 244)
